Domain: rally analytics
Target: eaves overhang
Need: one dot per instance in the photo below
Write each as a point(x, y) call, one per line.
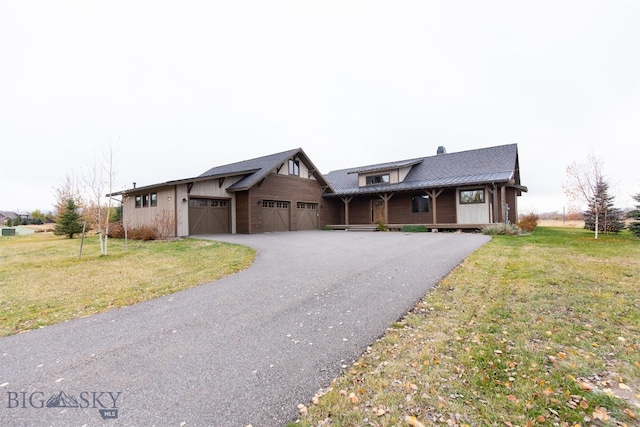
point(182, 181)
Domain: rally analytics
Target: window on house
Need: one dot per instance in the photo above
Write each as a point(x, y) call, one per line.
point(378, 179)
point(154, 199)
point(471, 196)
point(138, 201)
point(419, 204)
point(145, 200)
point(294, 167)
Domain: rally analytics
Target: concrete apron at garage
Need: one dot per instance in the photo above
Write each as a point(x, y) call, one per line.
point(242, 350)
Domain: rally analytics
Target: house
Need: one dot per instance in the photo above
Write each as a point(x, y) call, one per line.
point(25, 217)
point(278, 192)
point(467, 189)
point(286, 192)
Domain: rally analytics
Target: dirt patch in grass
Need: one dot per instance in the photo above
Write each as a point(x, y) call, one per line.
point(537, 330)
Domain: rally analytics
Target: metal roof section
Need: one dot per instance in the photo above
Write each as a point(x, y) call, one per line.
point(387, 166)
point(474, 167)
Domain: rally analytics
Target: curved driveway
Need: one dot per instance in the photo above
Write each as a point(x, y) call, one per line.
point(243, 350)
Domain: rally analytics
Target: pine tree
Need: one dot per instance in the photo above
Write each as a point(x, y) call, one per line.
point(601, 213)
point(68, 222)
point(634, 227)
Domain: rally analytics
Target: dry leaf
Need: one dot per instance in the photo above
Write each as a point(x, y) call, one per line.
point(600, 413)
point(413, 421)
point(379, 412)
point(512, 398)
point(353, 398)
point(629, 413)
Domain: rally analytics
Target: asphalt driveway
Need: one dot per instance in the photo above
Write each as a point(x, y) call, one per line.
point(242, 350)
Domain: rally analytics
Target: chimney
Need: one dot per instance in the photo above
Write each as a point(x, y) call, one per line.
point(441, 150)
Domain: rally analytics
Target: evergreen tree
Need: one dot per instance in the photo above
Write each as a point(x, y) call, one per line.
point(635, 214)
point(601, 212)
point(68, 222)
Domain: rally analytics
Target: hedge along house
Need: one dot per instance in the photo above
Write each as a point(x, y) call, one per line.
point(464, 190)
point(278, 192)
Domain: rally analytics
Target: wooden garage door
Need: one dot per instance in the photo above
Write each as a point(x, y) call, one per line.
point(307, 215)
point(275, 215)
point(207, 216)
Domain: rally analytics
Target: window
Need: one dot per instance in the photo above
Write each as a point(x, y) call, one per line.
point(138, 201)
point(471, 196)
point(378, 179)
point(154, 199)
point(294, 167)
point(145, 200)
point(419, 204)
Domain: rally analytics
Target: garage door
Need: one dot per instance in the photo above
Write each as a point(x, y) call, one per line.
point(275, 215)
point(208, 216)
point(307, 215)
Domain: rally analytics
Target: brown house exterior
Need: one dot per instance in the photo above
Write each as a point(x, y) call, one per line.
point(286, 192)
point(468, 189)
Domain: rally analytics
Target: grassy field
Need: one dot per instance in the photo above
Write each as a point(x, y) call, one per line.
point(537, 330)
point(42, 281)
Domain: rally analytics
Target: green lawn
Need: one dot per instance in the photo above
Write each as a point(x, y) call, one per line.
point(42, 281)
point(536, 330)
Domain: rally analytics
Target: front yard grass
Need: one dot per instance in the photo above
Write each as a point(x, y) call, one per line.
point(537, 330)
point(42, 281)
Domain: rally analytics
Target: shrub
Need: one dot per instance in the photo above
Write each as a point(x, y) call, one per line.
point(143, 232)
point(528, 222)
point(415, 229)
point(116, 230)
point(382, 226)
point(501, 229)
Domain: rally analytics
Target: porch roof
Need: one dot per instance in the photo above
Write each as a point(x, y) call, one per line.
point(467, 168)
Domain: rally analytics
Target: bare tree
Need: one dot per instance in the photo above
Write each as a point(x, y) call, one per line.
point(101, 177)
point(582, 184)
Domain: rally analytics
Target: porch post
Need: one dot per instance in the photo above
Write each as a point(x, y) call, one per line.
point(434, 195)
point(346, 201)
point(386, 197)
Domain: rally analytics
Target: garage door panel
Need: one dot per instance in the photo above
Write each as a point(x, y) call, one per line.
point(207, 216)
point(307, 215)
point(275, 216)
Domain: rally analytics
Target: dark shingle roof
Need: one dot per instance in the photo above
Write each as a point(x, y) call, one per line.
point(258, 168)
point(481, 166)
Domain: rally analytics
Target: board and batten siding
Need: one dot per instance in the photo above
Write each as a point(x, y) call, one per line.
point(135, 217)
point(203, 189)
point(474, 213)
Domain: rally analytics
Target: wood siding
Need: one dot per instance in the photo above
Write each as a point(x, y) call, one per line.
point(242, 215)
point(148, 216)
point(277, 187)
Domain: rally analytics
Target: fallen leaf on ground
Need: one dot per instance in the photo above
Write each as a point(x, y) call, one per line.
point(413, 421)
point(600, 413)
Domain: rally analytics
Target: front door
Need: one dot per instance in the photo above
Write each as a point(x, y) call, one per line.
point(377, 211)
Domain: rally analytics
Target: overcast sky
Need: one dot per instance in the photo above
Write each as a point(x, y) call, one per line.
point(181, 86)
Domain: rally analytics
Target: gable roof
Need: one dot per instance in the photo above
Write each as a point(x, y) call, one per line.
point(254, 170)
point(474, 167)
point(258, 168)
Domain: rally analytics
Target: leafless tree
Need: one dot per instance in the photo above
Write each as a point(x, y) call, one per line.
point(99, 178)
point(582, 183)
